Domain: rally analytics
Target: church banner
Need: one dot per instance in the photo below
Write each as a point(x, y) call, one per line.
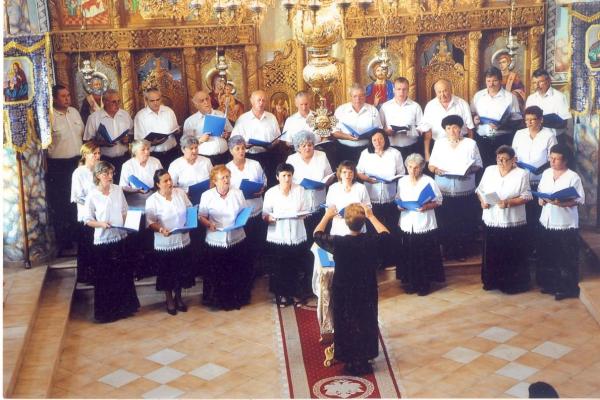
point(27, 91)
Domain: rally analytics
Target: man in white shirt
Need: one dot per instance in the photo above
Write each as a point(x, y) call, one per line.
point(444, 104)
point(261, 125)
point(159, 119)
point(213, 147)
point(114, 122)
point(359, 116)
point(551, 101)
point(63, 156)
point(404, 113)
point(297, 123)
point(496, 116)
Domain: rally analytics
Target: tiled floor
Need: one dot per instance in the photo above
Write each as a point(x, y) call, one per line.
point(457, 342)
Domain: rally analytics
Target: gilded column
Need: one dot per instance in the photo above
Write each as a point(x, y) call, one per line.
point(127, 93)
point(61, 65)
point(191, 75)
point(410, 64)
point(300, 63)
point(474, 39)
point(251, 67)
point(116, 15)
point(349, 64)
point(536, 37)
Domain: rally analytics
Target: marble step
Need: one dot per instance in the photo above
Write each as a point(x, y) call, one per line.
point(43, 349)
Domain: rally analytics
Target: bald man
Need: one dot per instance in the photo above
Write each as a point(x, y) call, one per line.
point(213, 147)
point(261, 125)
point(445, 103)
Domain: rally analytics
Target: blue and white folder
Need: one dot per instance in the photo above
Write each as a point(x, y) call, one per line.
point(103, 133)
point(426, 195)
point(309, 184)
point(561, 195)
point(262, 143)
point(250, 188)
point(195, 191)
point(325, 258)
point(498, 122)
point(214, 125)
point(132, 221)
point(153, 136)
point(240, 221)
point(191, 220)
point(533, 169)
point(361, 135)
point(553, 121)
point(137, 182)
point(386, 180)
point(402, 130)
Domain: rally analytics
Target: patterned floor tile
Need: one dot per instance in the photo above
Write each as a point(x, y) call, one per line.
point(520, 390)
point(516, 371)
point(462, 355)
point(506, 352)
point(164, 375)
point(163, 392)
point(119, 378)
point(552, 350)
point(497, 334)
point(209, 371)
point(166, 356)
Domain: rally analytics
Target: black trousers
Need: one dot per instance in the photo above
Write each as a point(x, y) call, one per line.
point(489, 144)
point(63, 213)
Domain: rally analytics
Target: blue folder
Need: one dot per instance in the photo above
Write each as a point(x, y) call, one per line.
point(262, 143)
point(326, 261)
point(152, 136)
point(553, 121)
point(103, 133)
point(137, 182)
point(309, 184)
point(195, 191)
point(363, 134)
point(240, 221)
point(533, 169)
point(191, 220)
point(380, 179)
point(403, 130)
point(214, 125)
point(426, 195)
point(561, 195)
point(250, 188)
point(497, 122)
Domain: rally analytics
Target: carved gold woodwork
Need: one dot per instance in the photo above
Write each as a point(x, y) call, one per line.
point(61, 64)
point(127, 90)
point(536, 37)
point(251, 68)
point(441, 66)
point(349, 61)
point(473, 53)
point(410, 61)
point(191, 75)
point(280, 75)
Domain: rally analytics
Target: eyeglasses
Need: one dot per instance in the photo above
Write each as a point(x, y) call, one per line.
point(503, 160)
point(528, 120)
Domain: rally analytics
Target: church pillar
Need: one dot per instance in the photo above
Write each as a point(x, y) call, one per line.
point(536, 43)
point(61, 66)
point(474, 38)
point(191, 75)
point(410, 63)
point(300, 63)
point(116, 15)
point(349, 65)
point(127, 93)
point(251, 67)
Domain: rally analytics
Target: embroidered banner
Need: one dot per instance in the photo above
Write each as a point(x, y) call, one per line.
point(27, 91)
point(585, 31)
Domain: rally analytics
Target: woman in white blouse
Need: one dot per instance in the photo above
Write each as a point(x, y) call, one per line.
point(503, 191)
point(283, 210)
point(345, 191)
point(377, 164)
point(82, 181)
point(242, 168)
point(190, 168)
point(557, 271)
point(420, 261)
point(166, 210)
point(454, 161)
point(310, 164)
point(228, 278)
point(532, 146)
point(106, 209)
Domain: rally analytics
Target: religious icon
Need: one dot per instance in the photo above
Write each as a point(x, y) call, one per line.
point(228, 104)
point(216, 83)
point(592, 41)
point(280, 108)
point(381, 89)
point(17, 78)
point(510, 78)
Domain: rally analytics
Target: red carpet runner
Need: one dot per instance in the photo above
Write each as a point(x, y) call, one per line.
point(306, 377)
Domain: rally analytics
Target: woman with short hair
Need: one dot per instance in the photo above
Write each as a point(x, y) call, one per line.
point(143, 166)
point(557, 272)
point(191, 168)
point(504, 265)
point(228, 279)
point(106, 208)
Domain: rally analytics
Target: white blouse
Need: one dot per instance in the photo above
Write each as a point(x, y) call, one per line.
point(416, 221)
point(172, 215)
point(222, 211)
point(194, 126)
point(145, 174)
point(367, 117)
point(514, 184)
point(185, 174)
point(385, 166)
point(534, 151)
point(444, 157)
point(253, 172)
point(82, 182)
point(316, 169)
point(287, 230)
point(555, 217)
point(338, 197)
point(106, 208)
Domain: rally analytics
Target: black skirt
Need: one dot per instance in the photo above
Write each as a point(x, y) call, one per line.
point(420, 260)
point(287, 263)
point(557, 269)
point(504, 256)
point(85, 254)
point(227, 282)
point(458, 218)
point(388, 214)
point(176, 269)
point(114, 292)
